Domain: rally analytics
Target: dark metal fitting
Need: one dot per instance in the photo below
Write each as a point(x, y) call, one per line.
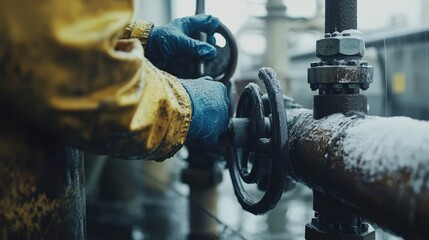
point(345, 86)
point(348, 43)
point(238, 129)
point(201, 178)
point(362, 76)
point(364, 86)
point(314, 64)
point(328, 35)
point(314, 87)
point(353, 63)
point(325, 105)
point(363, 63)
point(336, 34)
point(339, 62)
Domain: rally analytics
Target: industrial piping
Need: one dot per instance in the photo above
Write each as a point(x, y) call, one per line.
point(377, 166)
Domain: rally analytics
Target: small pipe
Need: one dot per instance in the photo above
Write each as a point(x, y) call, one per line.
point(340, 15)
point(201, 7)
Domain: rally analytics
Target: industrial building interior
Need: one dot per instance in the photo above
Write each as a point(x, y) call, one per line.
point(183, 199)
point(149, 200)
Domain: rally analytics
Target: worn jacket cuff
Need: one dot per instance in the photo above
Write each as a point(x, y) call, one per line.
point(139, 29)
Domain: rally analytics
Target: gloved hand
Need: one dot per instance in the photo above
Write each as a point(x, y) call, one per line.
point(209, 110)
point(175, 39)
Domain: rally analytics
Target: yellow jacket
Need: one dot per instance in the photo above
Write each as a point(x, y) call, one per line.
point(65, 70)
point(67, 77)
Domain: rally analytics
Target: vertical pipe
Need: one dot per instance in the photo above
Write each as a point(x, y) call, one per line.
point(202, 225)
point(276, 52)
point(340, 15)
point(201, 7)
point(202, 176)
point(42, 192)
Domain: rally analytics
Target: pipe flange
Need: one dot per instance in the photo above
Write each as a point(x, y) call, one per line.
point(341, 75)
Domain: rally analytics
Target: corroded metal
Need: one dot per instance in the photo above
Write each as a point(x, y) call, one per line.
point(340, 15)
point(334, 221)
point(341, 69)
point(377, 166)
point(345, 43)
point(264, 144)
point(325, 105)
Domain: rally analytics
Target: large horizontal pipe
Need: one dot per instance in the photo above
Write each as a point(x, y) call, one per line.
point(377, 166)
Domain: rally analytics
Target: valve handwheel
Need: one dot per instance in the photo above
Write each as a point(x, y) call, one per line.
point(220, 69)
point(223, 66)
point(259, 137)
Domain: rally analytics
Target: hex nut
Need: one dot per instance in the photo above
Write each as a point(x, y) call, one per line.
point(347, 43)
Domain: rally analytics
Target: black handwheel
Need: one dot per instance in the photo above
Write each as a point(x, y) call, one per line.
point(223, 66)
point(259, 137)
point(220, 69)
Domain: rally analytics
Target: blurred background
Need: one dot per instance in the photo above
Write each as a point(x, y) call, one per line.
point(145, 200)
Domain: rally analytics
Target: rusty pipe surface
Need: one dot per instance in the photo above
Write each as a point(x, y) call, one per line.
point(377, 166)
point(340, 15)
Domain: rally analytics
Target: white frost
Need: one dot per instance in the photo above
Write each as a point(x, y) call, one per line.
point(398, 143)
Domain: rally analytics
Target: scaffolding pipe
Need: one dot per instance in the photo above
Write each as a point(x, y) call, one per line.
point(377, 166)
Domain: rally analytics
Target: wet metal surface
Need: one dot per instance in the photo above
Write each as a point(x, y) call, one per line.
point(378, 166)
point(340, 15)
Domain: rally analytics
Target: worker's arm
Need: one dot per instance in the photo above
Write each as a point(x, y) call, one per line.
point(63, 69)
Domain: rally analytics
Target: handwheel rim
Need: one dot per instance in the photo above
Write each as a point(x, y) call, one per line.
point(280, 154)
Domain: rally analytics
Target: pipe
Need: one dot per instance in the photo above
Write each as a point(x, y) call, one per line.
point(202, 175)
point(377, 166)
point(340, 15)
point(43, 196)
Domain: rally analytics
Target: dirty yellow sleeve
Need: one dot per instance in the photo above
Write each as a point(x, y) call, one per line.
point(64, 69)
point(139, 29)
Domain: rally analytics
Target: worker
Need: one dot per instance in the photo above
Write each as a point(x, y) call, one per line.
point(75, 78)
point(82, 73)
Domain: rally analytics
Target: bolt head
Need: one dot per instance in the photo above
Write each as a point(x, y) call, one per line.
point(364, 63)
point(336, 34)
point(364, 86)
point(352, 63)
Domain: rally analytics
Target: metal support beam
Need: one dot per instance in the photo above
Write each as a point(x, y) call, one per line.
point(377, 166)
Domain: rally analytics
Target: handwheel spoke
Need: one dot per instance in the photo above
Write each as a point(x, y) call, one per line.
point(267, 144)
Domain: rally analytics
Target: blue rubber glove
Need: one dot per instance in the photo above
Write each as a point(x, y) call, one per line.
point(175, 39)
point(209, 110)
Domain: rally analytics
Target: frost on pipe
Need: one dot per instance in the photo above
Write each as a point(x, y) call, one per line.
point(378, 166)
